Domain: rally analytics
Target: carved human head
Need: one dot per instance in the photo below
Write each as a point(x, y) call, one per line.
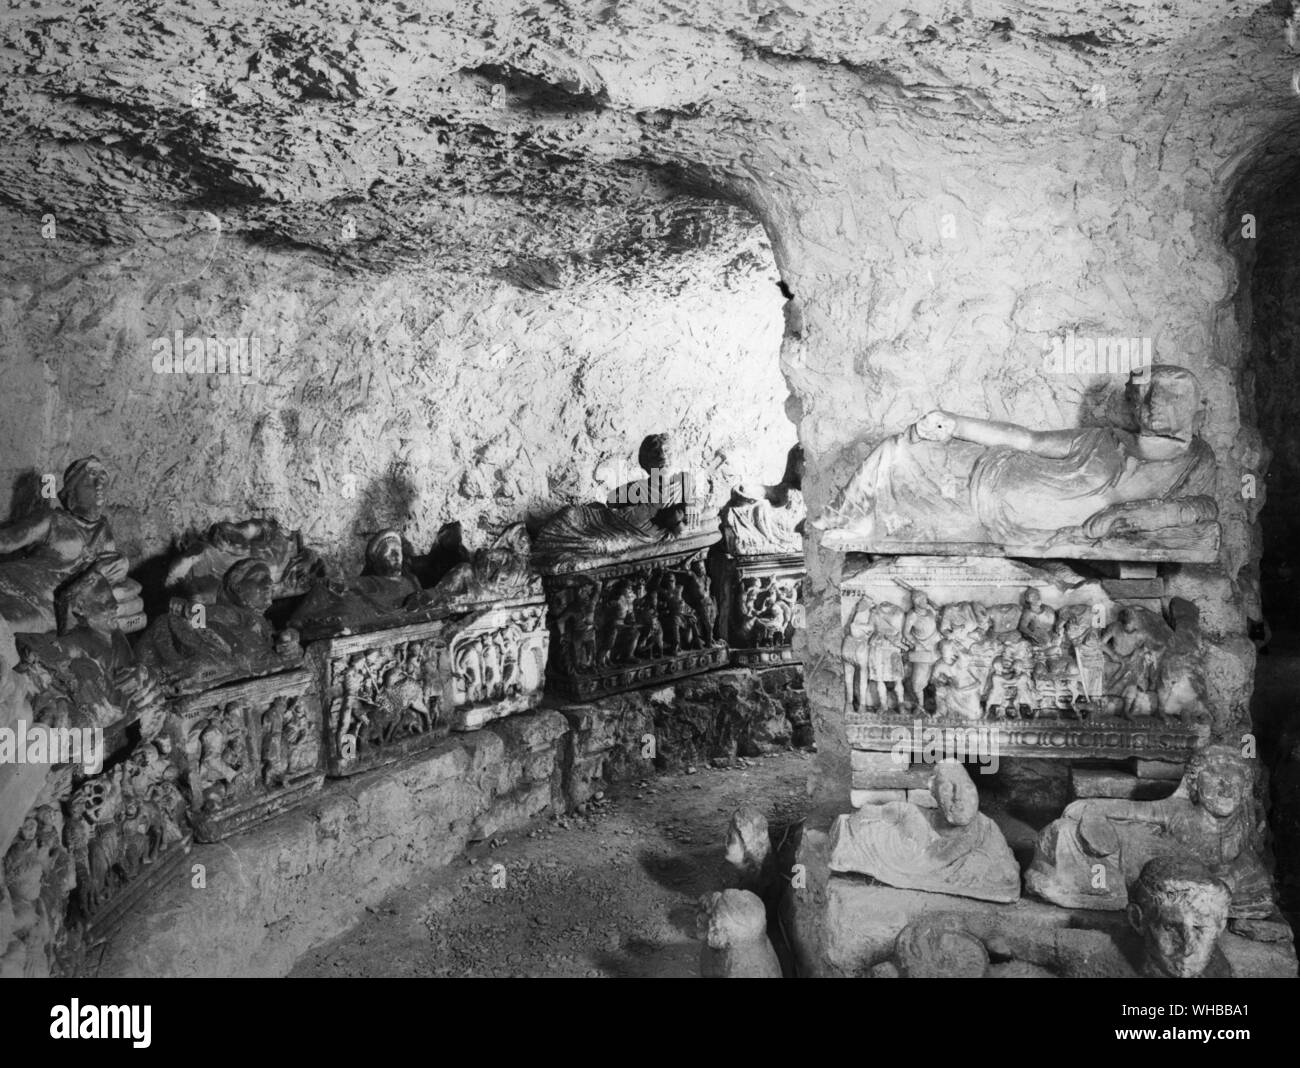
point(384, 555)
point(1170, 403)
point(657, 453)
point(1180, 909)
point(247, 584)
point(84, 485)
point(1032, 598)
point(955, 793)
point(87, 601)
point(1218, 779)
point(949, 650)
point(920, 599)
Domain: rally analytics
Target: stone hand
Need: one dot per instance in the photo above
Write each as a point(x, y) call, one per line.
point(1198, 509)
point(1099, 525)
point(935, 426)
point(113, 566)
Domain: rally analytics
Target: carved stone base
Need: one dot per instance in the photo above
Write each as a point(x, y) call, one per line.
point(635, 623)
point(1039, 737)
point(495, 662)
point(274, 726)
point(382, 694)
point(634, 676)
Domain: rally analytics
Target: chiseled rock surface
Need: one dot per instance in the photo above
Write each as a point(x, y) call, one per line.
point(277, 890)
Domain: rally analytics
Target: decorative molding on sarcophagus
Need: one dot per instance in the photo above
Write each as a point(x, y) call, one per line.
point(381, 694)
point(253, 749)
point(1039, 659)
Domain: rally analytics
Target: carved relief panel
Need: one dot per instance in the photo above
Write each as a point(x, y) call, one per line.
point(253, 750)
point(622, 626)
point(383, 694)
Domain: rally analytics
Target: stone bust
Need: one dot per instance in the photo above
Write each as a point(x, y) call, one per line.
point(1092, 491)
point(61, 543)
point(386, 587)
point(1179, 909)
point(229, 638)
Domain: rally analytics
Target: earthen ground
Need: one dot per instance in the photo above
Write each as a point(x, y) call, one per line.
point(608, 893)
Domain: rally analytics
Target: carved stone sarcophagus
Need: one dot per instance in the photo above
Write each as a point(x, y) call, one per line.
point(761, 606)
point(626, 625)
point(382, 694)
point(760, 568)
point(1037, 661)
point(631, 603)
point(495, 662)
point(253, 750)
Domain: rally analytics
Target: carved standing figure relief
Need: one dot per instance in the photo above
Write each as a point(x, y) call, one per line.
point(921, 635)
point(699, 595)
point(957, 686)
point(855, 653)
point(885, 653)
point(1090, 491)
point(275, 762)
point(1131, 661)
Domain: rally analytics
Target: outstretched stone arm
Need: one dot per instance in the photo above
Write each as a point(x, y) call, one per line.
point(1138, 516)
point(23, 532)
point(1116, 808)
point(943, 426)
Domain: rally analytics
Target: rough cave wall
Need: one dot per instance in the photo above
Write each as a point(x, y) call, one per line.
point(945, 186)
point(1264, 229)
point(407, 400)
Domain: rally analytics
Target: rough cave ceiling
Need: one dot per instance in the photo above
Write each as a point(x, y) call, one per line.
point(574, 136)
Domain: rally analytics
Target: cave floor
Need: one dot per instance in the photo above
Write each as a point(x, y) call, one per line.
point(609, 893)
